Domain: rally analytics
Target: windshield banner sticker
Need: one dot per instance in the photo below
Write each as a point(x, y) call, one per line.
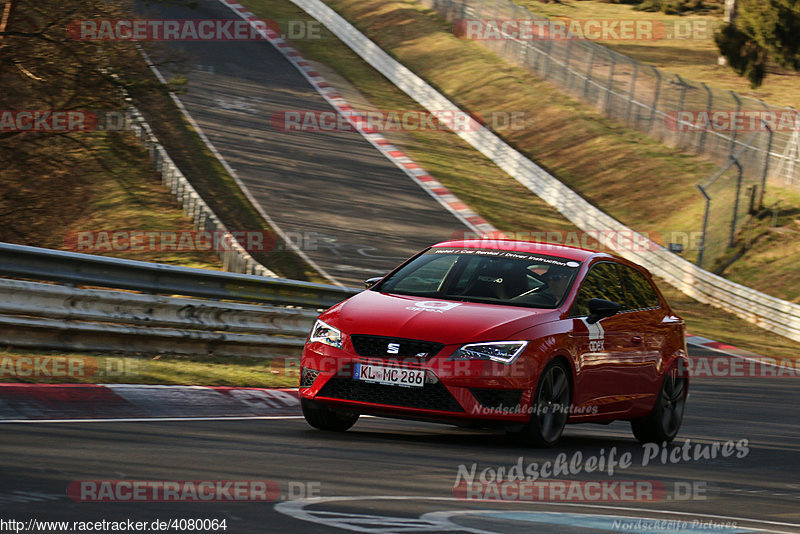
point(511, 254)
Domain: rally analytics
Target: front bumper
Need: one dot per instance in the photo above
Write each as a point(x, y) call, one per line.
point(459, 391)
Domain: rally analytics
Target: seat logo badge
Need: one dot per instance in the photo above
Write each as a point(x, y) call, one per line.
point(393, 348)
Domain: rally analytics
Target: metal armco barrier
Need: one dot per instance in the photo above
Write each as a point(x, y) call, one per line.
point(33, 263)
point(766, 311)
point(62, 317)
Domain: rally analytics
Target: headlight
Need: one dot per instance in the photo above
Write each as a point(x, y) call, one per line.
point(325, 333)
point(496, 351)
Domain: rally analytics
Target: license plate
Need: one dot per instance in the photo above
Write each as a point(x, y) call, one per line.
point(394, 376)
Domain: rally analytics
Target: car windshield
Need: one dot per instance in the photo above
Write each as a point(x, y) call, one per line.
point(485, 275)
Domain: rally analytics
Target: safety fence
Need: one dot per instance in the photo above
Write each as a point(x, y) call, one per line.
point(683, 113)
point(235, 314)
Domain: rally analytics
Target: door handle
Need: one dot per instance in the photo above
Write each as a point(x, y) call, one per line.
point(637, 339)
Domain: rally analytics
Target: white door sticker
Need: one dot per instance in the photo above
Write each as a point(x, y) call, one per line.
point(597, 336)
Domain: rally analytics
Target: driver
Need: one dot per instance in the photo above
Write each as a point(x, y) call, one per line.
point(557, 279)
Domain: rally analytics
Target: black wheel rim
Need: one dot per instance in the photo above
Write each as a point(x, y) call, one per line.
point(673, 399)
point(553, 403)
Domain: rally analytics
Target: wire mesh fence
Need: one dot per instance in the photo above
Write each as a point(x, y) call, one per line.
point(731, 196)
point(682, 113)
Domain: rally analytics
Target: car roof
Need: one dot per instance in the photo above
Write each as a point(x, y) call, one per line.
point(563, 251)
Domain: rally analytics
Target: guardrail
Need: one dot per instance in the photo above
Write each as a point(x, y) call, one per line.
point(73, 268)
point(59, 317)
point(771, 313)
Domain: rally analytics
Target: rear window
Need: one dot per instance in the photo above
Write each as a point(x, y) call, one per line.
point(639, 291)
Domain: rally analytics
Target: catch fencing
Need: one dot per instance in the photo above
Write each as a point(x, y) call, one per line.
point(683, 113)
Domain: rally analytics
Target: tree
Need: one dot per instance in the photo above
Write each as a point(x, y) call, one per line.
point(44, 69)
point(761, 30)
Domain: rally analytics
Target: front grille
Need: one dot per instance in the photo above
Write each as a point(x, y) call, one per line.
point(307, 377)
point(499, 399)
point(393, 347)
point(430, 397)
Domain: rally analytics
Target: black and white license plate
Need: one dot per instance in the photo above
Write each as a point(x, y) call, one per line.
point(394, 376)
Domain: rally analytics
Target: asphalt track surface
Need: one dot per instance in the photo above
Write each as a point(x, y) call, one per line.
point(397, 471)
point(349, 208)
point(384, 475)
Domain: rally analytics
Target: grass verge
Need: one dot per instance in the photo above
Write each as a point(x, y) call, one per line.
point(90, 368)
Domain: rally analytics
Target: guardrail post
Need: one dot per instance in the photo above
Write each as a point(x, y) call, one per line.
point(765, 170)
point(631, 95)
point(610, 83)
point(589, 66)
point(732, 240)
point(548, 58)
point(654, 106)
point(702, 137)
point(735, 130)
point(681, 100)
point(702, 247)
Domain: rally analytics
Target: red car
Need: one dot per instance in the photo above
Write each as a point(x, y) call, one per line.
point(527, 336)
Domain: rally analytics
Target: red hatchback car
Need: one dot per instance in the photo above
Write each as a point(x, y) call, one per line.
point(527, 336)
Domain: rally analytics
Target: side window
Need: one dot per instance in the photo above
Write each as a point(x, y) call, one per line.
point(639, 292)
point(601, 282)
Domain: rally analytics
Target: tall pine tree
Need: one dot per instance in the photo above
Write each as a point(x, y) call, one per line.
point(761, 30)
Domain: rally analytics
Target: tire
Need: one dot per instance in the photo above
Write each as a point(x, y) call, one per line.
point(551, 403)
point(663, 422)
point(324, 418)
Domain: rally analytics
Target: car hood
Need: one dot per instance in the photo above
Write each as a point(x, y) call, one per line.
point(443, 321)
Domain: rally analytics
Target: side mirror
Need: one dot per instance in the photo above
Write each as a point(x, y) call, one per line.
point(369, 282)
point(599, 308)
